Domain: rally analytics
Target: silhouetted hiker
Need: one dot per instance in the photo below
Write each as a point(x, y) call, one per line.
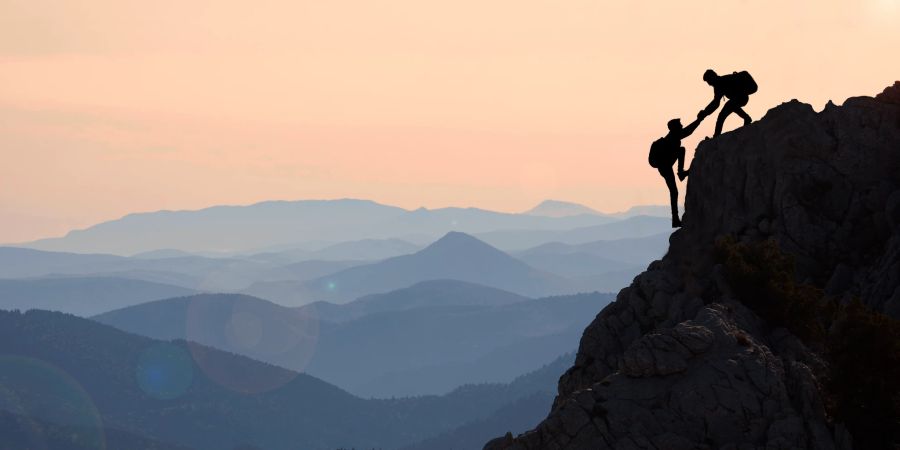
point(665, 151)
point(737, 87)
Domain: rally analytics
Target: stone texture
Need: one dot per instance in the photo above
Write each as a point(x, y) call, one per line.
point(676, 362)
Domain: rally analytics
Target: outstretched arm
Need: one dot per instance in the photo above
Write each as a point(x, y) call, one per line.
point(688, 130)
point(714, 104)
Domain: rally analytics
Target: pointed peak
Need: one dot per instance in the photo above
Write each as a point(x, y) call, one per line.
point(457, 237)
point(455, 241)
point(558, 208)
point(463, 247)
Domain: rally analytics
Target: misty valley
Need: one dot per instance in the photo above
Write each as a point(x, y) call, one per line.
point(305, 325)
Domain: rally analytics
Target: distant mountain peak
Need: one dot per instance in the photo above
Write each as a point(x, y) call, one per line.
point(456, 239)
point(455, 256)
point(461, 244)
point(558, 208)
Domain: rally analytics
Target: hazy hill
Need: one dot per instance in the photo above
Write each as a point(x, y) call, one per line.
point(312, 269)
point(221, 228)
point(357, 250)
point(646, 210)
point(576, 265)
point(456, 256)
point(556, 208)
point(288, 223)
point(598, 257)
point(517, 417)
point(421, 295)
point(498, 365)
point(533, 401)
point(83, 296)
point(631, 227)
point(77, 373)
point(400, 334)
point(236, 323)
point(195, 272)
point(18, 262)
point(162, 254)
point(366, 249)
point(203, 273)
point(27, 432)
point(641, 250)
point(191, 271)
point(417, 339)
point(438, 222)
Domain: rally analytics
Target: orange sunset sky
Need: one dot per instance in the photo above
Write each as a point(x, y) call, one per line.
point(115, 106)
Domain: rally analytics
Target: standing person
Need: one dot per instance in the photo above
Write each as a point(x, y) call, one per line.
point(737, 88)
point(665, 151)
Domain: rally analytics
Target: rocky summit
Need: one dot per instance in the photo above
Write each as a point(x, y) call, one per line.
point(772, 320)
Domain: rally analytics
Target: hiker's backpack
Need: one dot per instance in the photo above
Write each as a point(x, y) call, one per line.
point(743, 83)
point(659, 153)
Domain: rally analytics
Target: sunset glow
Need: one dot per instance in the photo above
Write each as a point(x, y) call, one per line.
point(115, 106)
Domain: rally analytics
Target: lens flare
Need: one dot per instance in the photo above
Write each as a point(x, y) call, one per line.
point(23, 428)
point(164, 371)
point(36, 391)
point(249, 327)
point(244, 330)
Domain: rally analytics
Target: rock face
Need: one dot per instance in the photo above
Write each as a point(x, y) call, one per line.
point(677, 362)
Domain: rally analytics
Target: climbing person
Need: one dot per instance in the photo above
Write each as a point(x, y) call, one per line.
point(737, 88)
point(665, 151)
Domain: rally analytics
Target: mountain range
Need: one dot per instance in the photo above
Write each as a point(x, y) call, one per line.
point(456, 256)
point(279, 225)
point(595, 258)
point(554, 268)
point(283, 223)
point(457, 332)
point(359, 250)
point(420, 295)
point(74, 375)
point(191, 271)
point(83, 296)
point(631, 227)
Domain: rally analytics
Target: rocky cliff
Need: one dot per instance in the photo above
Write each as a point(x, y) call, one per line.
point(770, 323)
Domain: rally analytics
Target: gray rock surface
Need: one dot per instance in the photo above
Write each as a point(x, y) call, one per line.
point(676, 362)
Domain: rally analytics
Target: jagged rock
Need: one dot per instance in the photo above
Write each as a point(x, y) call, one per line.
point(891, 94)
point(666, 351)
point(676, 362)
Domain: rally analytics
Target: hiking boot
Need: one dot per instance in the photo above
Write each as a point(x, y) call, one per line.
point(676, 222)
point(683, 174)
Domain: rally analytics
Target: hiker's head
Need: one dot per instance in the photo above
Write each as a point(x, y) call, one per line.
point(710, 76)
point(675, 125)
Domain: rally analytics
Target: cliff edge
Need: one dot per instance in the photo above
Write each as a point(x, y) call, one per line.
point(772, 320)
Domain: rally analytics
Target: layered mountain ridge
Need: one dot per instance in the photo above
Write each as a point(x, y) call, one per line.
point(772, 320)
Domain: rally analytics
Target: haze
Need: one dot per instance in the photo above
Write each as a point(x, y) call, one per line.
point(114, 106)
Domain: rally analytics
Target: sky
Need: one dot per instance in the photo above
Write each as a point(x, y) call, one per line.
point(109, 107)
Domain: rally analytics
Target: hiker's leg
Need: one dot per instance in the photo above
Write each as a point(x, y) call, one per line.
point(725, 112)
point(739, 104)
point(680, 156)
point(744, 115)
point(667, 175)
